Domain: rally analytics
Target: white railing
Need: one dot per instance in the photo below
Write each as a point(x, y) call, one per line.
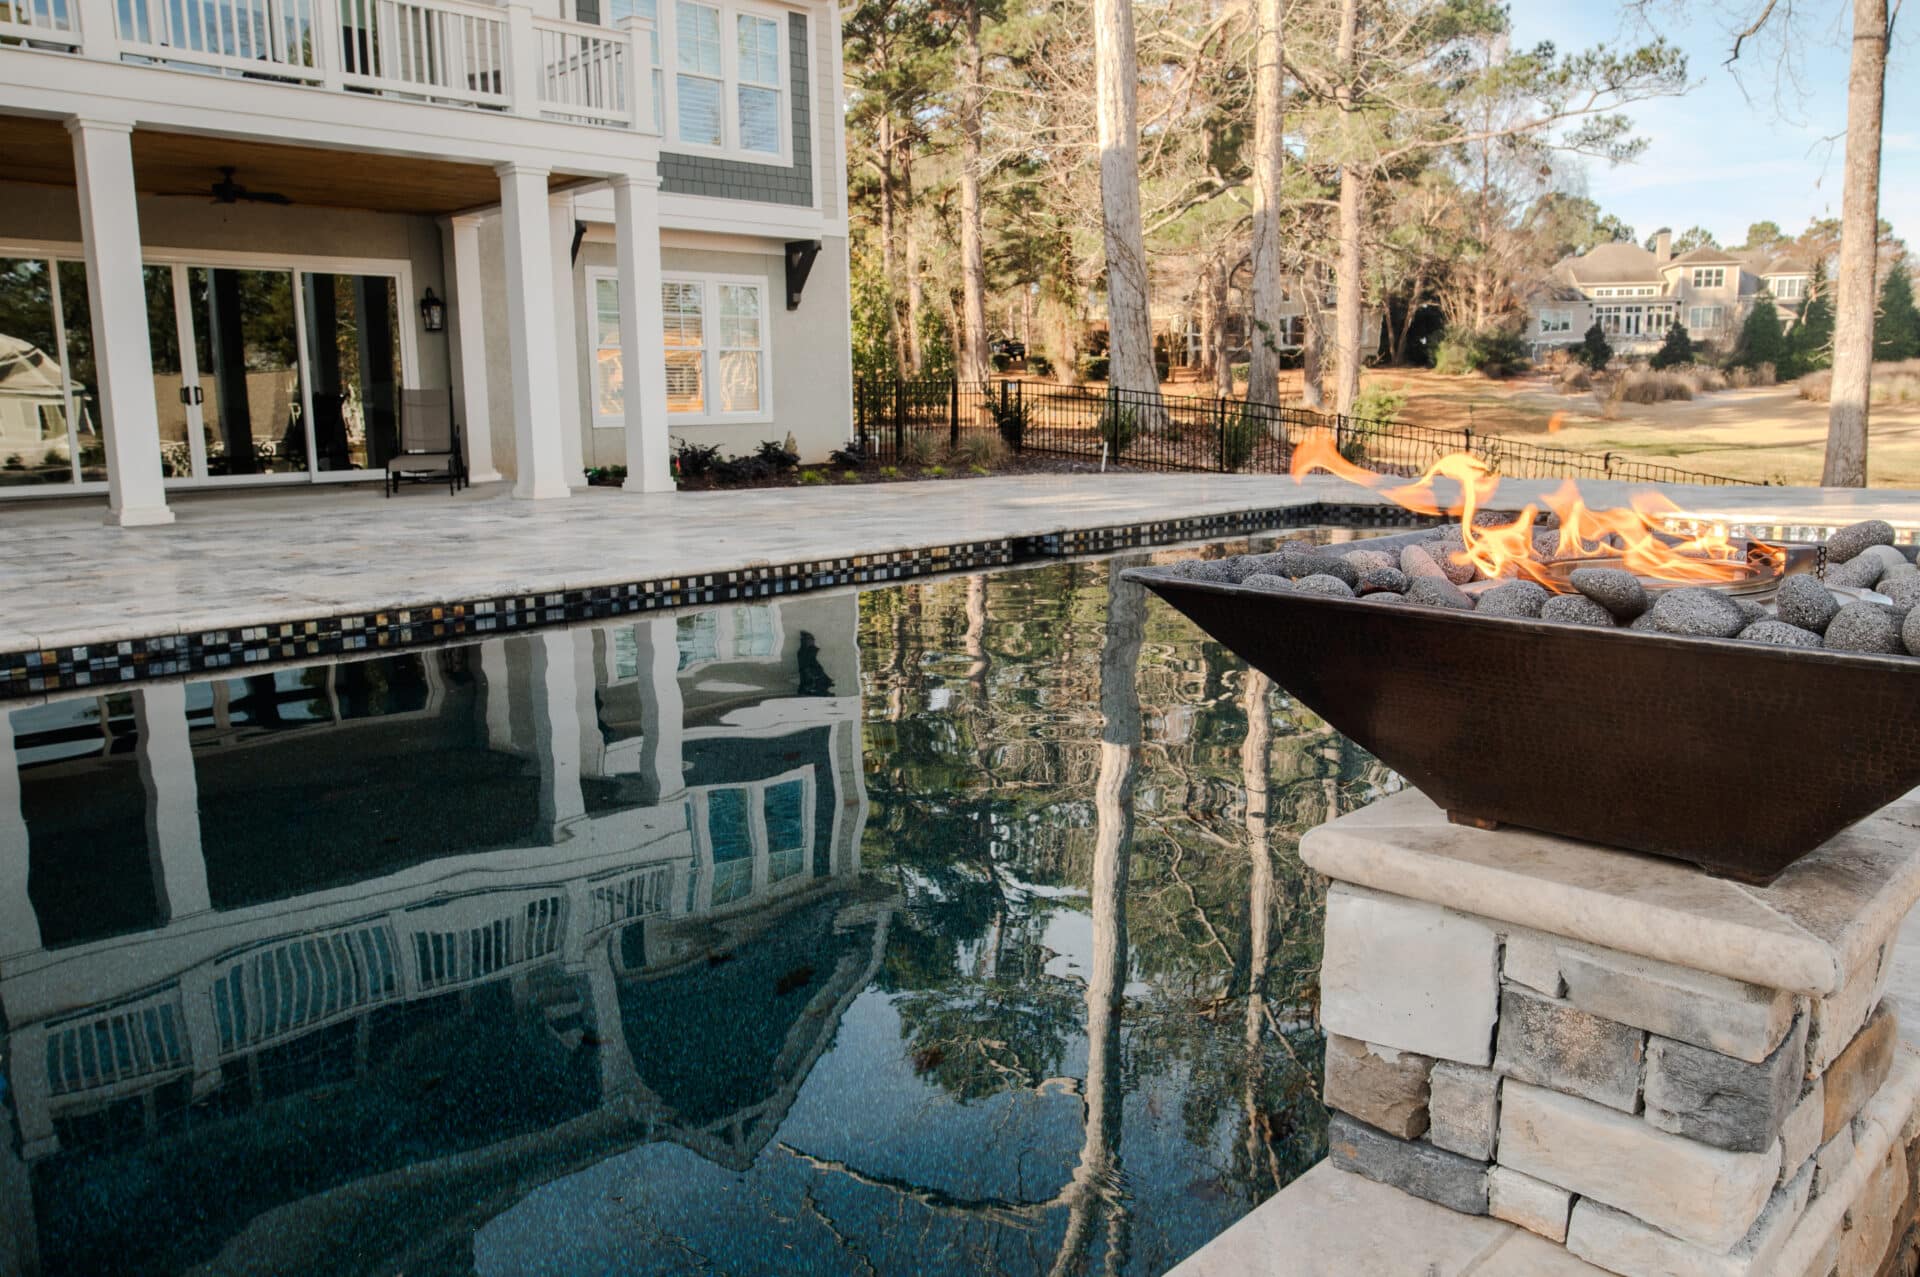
point(583, 72)
point(452, 959)
point(41, 21)
point(126, 1043)
point(271, 38)
point(435, 49)
point(640, 895)
point(281, 991)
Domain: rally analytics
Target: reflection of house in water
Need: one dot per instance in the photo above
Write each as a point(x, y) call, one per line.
point(468, 918)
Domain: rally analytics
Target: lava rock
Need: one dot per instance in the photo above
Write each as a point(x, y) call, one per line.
point(1848, 542)
point(1205, 570)
point(1437, 591)
point(1804, 602)
point(1383, 596)
point(1644, 621)
point(1890, 559)
point(1320, 563)
point(1780, 634)
point(1520, 598)
point(1903, 590)
point(1904, 571)
point(1268, 582)
point(1614, 589)
point(1749, 609)
point(1698, 613)
point(1910, 633)
point(1417, 561)
point(1322, 583)
point(1442, 547)
point(1383, 580)
point(1575, 609)
point(1864, 627)
point(1272, 563)
point(1365, 561)
point(1861, 573)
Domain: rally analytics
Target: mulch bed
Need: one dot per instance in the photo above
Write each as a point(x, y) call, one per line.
point(1027, 463)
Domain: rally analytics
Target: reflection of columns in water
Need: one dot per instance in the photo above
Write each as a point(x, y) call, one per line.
point(662, 714)
point(617, 1074)
point(556, 735)
point(19, 925)
point(1255, 759)
point(19, 1246)
point(496, 681)
point(173, 799)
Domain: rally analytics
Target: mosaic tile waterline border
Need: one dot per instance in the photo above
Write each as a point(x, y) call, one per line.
point(124, 661)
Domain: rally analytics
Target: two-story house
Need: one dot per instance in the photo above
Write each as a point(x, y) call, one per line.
point(232, 231)
point(1636, 295)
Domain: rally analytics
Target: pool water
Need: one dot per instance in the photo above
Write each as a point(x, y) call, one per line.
point(950, 927)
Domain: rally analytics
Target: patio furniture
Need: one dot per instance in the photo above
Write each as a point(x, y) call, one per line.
point(429, 442)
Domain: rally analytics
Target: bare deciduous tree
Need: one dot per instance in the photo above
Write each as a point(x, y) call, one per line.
point(1857, 288)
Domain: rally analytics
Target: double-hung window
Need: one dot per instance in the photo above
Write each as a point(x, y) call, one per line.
point(1790, 288)
point(715, 332)
point(730, 82)
point(1704, 318)
point(1556, 321)
point(1709, 276)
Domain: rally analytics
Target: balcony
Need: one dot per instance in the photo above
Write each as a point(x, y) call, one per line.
point(485, 57)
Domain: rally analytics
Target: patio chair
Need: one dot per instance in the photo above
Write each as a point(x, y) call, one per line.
point(429, 442)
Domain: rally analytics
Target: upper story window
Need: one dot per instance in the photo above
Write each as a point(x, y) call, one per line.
point(1790, 288)
point(730, 81)
point(1709, 276)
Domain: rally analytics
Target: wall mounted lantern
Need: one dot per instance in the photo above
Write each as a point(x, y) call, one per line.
point(433, 312)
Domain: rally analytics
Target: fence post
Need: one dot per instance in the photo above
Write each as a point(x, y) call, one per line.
point(1020, 399)
point(1220, 432)
point(1606, 463)
point(899, 418)
point(1467, 433)
point(953, 413)
point(860, 412)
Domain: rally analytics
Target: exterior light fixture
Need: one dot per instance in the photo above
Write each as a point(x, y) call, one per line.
point(433, 312)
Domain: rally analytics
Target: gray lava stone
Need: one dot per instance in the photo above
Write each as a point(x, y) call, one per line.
point(1520, 598)
point(1614, 589)
point(1575, 609)
point(1749, 609)
point(1321, 583)
point(1273, 563)
point(1442, 546)
point(1910, 633)
point(1697, 612)
point(1390, 580)
point(1644, 621)
point(1891, 560)
point(1298, 564)
point(1437, 591)
point(1417, 561)
point(1270, 583)
point(1864, 627)
point(1903, 590)
point(1803, 601)
point(1780, 633)
point(1365, 561)
point(1848, 542)
point(1862, 572)
point(1205, 570)
point(1383, 596)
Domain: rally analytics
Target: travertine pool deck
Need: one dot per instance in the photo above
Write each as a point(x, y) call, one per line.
point(237, 561)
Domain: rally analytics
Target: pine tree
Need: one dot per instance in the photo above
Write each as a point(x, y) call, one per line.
point(1761, 341)
point(1676, 350)
point(1595, 351)
point(1810, 344)
point(1896, 331)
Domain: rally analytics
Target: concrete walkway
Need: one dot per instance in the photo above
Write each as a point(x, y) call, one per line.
point(261, 557)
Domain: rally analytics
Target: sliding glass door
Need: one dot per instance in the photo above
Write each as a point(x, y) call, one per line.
point(49, 418)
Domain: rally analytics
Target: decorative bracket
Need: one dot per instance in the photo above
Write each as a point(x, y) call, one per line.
point(800, 255)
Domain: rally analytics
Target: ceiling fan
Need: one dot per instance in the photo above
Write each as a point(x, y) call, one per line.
point(228, 191)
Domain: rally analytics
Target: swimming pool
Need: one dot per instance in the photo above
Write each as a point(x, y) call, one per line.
point(945, 927)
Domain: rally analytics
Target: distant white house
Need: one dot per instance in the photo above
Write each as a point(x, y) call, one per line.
point(1636, 295)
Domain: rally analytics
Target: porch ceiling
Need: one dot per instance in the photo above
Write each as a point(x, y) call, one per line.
point(40, 150)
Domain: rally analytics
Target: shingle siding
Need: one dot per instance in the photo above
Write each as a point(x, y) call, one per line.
point(760, 183)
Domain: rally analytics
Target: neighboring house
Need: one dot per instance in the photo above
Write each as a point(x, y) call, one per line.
point(1636, 295)
point(240, 228)
point(1181, 321)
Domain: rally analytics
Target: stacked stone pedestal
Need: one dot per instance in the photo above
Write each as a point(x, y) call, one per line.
point(1662, 1072)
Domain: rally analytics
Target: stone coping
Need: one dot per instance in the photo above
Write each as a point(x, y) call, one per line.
point(1819, 923)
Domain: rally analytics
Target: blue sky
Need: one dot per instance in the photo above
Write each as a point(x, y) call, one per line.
point(1723, 158)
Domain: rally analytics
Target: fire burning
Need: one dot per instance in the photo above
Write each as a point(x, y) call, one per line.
point(1528, 547)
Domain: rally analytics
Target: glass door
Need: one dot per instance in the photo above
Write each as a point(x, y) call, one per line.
point(245, 373)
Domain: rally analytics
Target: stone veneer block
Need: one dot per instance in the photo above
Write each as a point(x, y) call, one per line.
point(1700, 1194)
point(1535, 1205)
point(1800, 1133)
point(1728, 1016)
point(1873, 1216)
point(1832, 1159)
point(1382, 1087)
point(1858, 1072)
point(1530, 959)
point(1836, 1020)
point(1721, 1101)
point(1464, 1109)
point(1622, 1244)
point(1822, 920)
point(1556, 1044)
point(1409, 975)
point(1456, 1182)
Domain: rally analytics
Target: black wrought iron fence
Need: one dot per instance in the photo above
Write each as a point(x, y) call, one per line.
point(918, 421)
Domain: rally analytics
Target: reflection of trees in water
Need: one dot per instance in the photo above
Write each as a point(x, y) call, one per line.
point(1052, 740)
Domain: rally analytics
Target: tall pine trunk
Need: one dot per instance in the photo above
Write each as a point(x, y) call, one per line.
point(889, 259)
point(1313, 338)
point(1346, 303)
point(1846, 464)
point(1129, 318)
point(1269, 151)
point(973, 259)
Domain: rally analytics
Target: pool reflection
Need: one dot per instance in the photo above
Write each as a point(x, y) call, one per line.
point(935, 928)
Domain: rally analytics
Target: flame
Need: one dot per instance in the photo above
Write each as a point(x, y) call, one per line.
point(1630, 535)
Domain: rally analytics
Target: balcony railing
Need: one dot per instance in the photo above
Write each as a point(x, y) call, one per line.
point(454, 52)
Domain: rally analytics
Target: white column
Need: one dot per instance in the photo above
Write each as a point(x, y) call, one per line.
point(19, 924)
point(460, 256)
point(117, 300)
point(565, 339)
point(617, 1074)
point(662, 712)
point(495, 677)
point(165, 755)
point(556, 714)
point(32, 1090)
point(643, 343)
point(539, 457)
point(19, 1232)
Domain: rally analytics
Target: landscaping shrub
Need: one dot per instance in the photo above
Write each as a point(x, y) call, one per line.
point(1093, 367)
point(999, 361)
point(1039, 365)
point(695, 460)
point(849, 476)
point(978, 448)
point(1574, 379)
point(1011, 419)
point(916, 449)
point(854, 454)
point(1240, 373)
point(1896, 329)
point(1594, 350)
point(812, 477)
point(1761, 339)
point(778, 457)
point(1676, 350)
point(1237, 440)
point(1646, 386)
point(1892, 383)
point(1118, 426)
point(1378, 403)
point(1494, 352)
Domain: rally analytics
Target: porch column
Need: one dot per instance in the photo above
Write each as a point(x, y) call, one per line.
point(117, 301)
point(19, 924)
point(662, 713)
point(539, 456)
point(556, 716)
point(173, 799)
point(19, 1231)
point(643, 343)
point(565, 340)
point(460, 254)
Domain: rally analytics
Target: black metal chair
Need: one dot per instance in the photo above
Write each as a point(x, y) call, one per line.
point(429, 442)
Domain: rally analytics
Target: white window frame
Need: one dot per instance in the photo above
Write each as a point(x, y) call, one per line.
point(1556, 321)
point(1790, 288)
point(710, 349)
point(596, 275)
point(1716, 318)
point(1705, 277)
point(729, 148)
